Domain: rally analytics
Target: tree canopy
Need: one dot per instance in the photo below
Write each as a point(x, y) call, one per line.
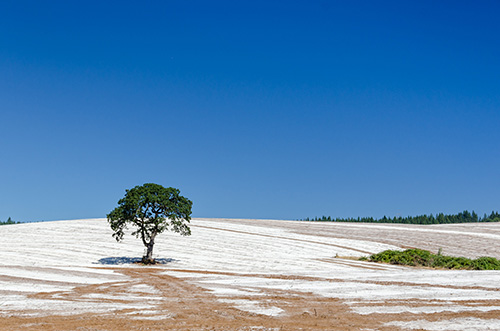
point(151, 209)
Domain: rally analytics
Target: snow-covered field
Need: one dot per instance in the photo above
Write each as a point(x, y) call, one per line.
point(275, 272)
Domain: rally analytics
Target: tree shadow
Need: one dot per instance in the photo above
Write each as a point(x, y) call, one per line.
point(116, 260)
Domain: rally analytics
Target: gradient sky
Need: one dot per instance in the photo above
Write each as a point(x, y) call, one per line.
point(253, 109)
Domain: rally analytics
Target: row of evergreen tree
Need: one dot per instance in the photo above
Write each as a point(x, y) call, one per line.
point(463, 217)
point(9, 221)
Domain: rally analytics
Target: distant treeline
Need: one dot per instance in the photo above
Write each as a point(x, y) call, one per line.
point(463, 217)
point(9, 221)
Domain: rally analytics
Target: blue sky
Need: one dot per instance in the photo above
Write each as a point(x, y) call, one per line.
point(253, 109)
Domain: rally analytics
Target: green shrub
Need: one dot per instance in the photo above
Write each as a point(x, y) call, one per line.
point(422, 258)
point(414, 257)
point(486, 263)
point(385, 256)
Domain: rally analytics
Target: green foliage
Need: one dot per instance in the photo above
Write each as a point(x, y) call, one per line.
point(423, 258)
point(151, 209)
point(486, 263)
point(9, 221)
point(413, 257)
point(463, 217)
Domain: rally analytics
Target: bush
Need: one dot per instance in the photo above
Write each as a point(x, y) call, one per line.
point(423, 258)
point(486, 263)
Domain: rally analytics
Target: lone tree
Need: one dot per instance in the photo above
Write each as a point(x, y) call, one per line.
point(152, 209)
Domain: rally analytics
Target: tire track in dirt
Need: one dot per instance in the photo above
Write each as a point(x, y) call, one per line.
point(26, 280)
point(338, 280)
point(182, 305)
point(359, 264)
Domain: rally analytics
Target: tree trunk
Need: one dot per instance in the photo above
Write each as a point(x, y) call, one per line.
point(148, 258)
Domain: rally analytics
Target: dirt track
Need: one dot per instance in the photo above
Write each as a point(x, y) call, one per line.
point(188, 307)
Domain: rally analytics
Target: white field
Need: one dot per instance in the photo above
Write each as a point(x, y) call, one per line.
point(243, 262)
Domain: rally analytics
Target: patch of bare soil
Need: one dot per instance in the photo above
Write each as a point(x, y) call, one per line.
point(184, 306)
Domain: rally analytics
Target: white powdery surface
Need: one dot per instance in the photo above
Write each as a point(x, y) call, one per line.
point(420, 310)
point(242, 262)
point(21, 305)
point(56, 257)
point(252, 306)
point(458, 324)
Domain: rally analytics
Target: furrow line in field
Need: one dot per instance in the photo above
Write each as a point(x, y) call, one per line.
point(285, 238)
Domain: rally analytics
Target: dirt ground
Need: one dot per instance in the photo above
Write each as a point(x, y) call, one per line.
point(188, 307)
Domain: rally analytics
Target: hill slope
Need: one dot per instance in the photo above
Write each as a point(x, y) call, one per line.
point(237, 274)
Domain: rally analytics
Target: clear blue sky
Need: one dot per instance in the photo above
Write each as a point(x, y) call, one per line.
point(253, 109)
